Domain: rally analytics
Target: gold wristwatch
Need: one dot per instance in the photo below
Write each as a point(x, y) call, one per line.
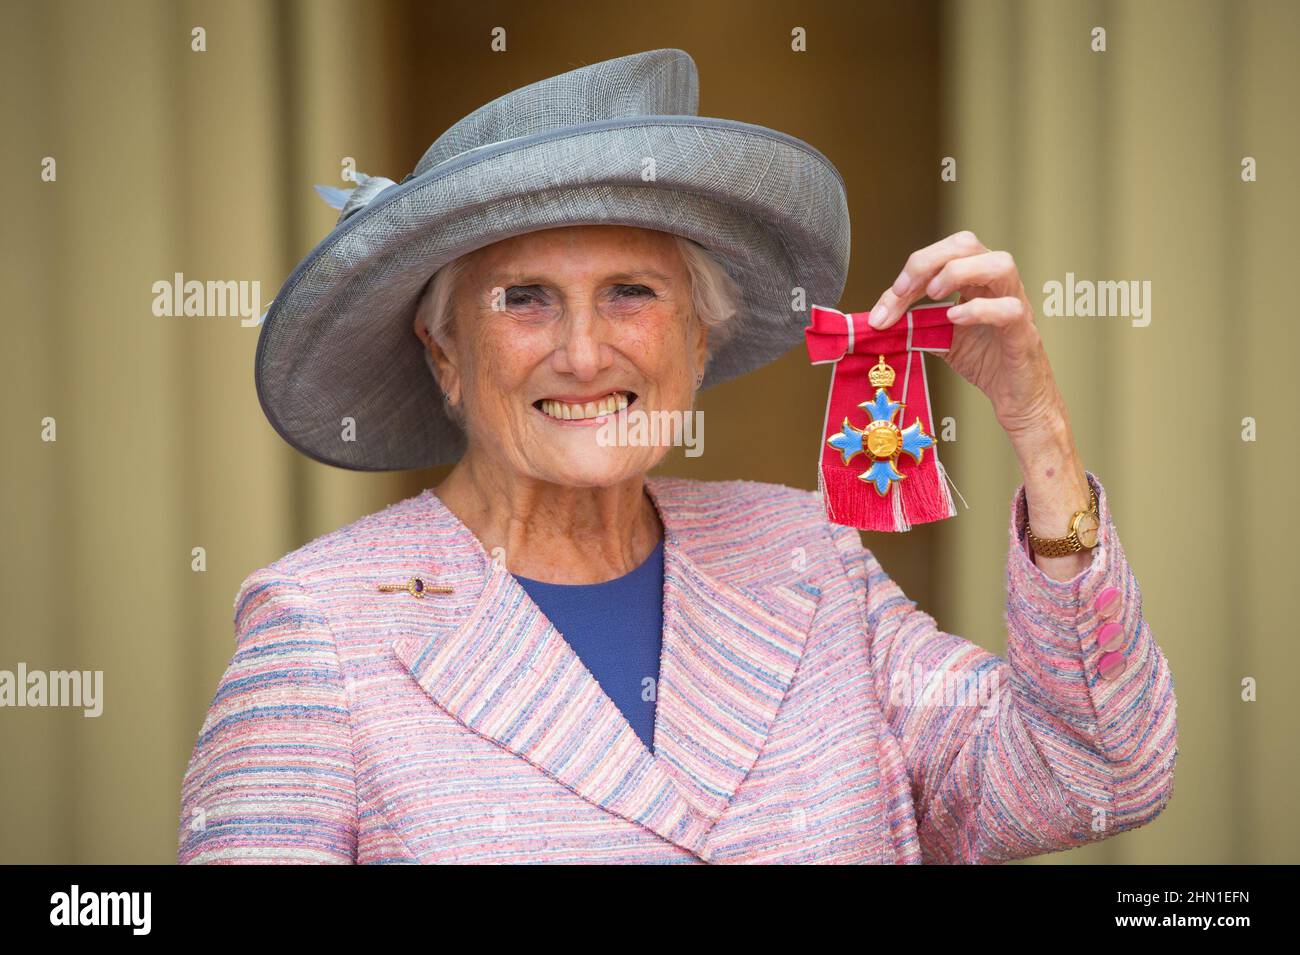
point(1083, 533)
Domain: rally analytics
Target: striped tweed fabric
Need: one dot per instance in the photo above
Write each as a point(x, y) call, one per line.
point(807, 710)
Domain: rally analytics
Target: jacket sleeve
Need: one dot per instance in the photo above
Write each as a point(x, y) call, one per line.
point(1039, 751)
point(272, 775)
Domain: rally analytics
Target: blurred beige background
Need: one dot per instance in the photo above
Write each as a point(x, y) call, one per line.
point(1115, 165)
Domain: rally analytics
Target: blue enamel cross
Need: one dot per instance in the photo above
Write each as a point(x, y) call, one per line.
point(882, 440)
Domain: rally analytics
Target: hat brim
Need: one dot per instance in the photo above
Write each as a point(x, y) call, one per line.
point(337, 342)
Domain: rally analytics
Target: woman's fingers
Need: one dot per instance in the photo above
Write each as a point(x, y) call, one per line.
point(992, 270)
point(1002, 312)
point(922, 265)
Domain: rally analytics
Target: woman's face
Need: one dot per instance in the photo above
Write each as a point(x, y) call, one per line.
point(551, 324)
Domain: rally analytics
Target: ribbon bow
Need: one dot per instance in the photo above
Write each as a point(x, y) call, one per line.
point(879, 467)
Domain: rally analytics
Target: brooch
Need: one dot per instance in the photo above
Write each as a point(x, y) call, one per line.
point(416, 587)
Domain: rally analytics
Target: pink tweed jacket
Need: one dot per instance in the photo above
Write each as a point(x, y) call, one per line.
point(807, 710)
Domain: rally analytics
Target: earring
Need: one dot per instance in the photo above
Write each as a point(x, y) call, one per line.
point(699, 379)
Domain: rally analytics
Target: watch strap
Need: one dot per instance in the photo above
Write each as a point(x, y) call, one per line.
point(1062, 546)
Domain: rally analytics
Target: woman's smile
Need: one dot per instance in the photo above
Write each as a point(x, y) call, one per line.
point(584, 410)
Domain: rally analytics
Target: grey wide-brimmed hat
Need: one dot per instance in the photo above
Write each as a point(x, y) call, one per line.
point(337, 342)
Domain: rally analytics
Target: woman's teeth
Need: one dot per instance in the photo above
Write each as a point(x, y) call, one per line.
point(591, 409)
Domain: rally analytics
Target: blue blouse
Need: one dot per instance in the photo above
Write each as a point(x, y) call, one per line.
point(616, 628)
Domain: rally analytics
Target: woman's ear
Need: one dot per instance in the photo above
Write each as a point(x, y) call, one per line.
point(700, 348)
point(444, 363)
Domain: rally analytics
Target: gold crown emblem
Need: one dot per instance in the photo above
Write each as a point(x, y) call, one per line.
point(881, 376)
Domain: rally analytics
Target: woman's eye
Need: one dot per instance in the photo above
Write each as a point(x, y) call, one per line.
point(519, 296)
point(633, 291)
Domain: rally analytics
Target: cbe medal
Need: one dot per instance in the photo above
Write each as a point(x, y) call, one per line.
point(884, 475)
point(881, 439)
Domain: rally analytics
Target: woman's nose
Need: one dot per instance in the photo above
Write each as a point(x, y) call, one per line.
point(582, 350)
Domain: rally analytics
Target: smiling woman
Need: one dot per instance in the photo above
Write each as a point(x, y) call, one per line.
point(645, 669)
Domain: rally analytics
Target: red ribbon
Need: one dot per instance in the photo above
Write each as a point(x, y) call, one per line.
point(853, 346)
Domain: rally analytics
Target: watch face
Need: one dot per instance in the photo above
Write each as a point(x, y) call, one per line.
point(1087, 530)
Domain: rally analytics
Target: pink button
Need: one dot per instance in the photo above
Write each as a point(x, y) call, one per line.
point(1110, 636)
point(1107, 602)
point(1111, 665)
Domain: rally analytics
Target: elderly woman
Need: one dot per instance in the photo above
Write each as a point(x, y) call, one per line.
point(554, 657)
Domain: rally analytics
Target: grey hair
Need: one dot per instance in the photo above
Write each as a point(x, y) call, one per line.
point(716, 300)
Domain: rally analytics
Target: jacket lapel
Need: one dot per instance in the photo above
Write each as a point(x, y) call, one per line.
point(729, 653)
point(506, 673)
point(729, 656)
